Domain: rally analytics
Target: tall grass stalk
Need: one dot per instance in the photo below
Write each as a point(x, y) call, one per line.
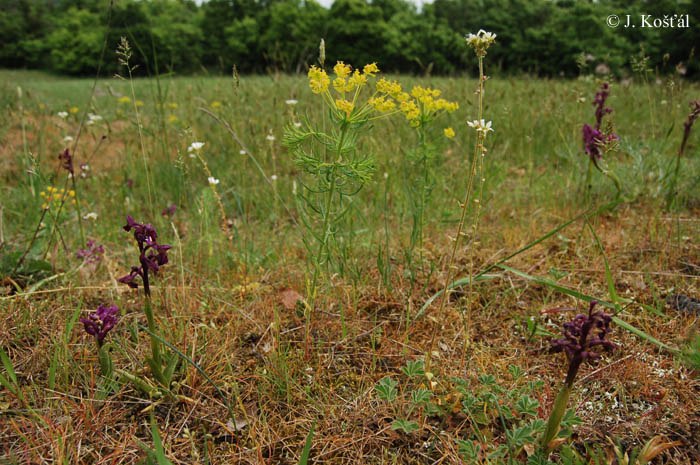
point(124, 53)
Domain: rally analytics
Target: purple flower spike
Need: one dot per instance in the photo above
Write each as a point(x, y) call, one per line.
point(599, 103)
point(581, 335)
point(100, 322)
point(688, 124)
point(92, 253)
point(66, 161)
point(169, 211)
point(593, 138)
point(151, 254)
point(129, 279)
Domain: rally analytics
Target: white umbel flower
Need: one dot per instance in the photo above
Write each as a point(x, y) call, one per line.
point(481, 40)
point(212, 181)
point(480, 125)
point(195, 147)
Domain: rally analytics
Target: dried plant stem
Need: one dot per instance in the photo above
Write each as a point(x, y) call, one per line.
point(478, 149)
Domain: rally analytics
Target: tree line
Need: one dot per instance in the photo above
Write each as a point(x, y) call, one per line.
point(542, 37)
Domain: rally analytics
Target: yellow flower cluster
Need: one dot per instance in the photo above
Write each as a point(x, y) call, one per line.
point(344, 106)
point(424, 106)
point(124, 99)
point(54, 197)
point(346, 81)
point(382, 104)
point(318, 80)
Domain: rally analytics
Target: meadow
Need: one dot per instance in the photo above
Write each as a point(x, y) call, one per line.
point(288, 337)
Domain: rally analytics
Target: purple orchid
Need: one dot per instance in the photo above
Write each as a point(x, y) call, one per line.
point(169, 211)
point(593, 138)
point(92, 253)
point(151, 254)
point(581, 336)
point(66, 160)
point(101, 322)
point(599, 103)
point(688, 124)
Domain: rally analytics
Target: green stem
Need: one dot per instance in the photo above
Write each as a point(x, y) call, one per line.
point(157, 365)
point(589, 176)
point(323, 244)
point(555, 417)
point(105, 361)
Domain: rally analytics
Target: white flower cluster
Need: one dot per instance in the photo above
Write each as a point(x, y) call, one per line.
point(92, 119)
point(194, 148)
point(481, 40)
point(480, 125)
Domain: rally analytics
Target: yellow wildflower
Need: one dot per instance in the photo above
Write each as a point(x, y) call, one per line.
point(339, 84)
point(74, 110)
point(383, 86)
point(417, 92)
point(344, 105)
point(342, 70)
point(358, 79)
point(44, 206)
point(215, 104)
point(383, 105)
point(318, 80)
point(370, 69)
point(449, 133)
point(410, 109)
point(138, 103)
point(172, 119)
point(172, 104)
point(71, 193)
point(402, 97)
point(124, 99)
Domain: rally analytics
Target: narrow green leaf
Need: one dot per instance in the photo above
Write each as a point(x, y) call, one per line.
point(608, 274)
point(157, 444)
point(458, 283)
point(52, 367)
point(304, 460)
point(483, 274)
point(8, 366)
point(199, 369)
point(588, 298)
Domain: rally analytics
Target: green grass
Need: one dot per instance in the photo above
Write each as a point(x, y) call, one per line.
point(217, 298)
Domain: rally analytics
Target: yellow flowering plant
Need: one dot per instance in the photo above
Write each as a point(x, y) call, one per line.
point(335, 169)
point(421, 108)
